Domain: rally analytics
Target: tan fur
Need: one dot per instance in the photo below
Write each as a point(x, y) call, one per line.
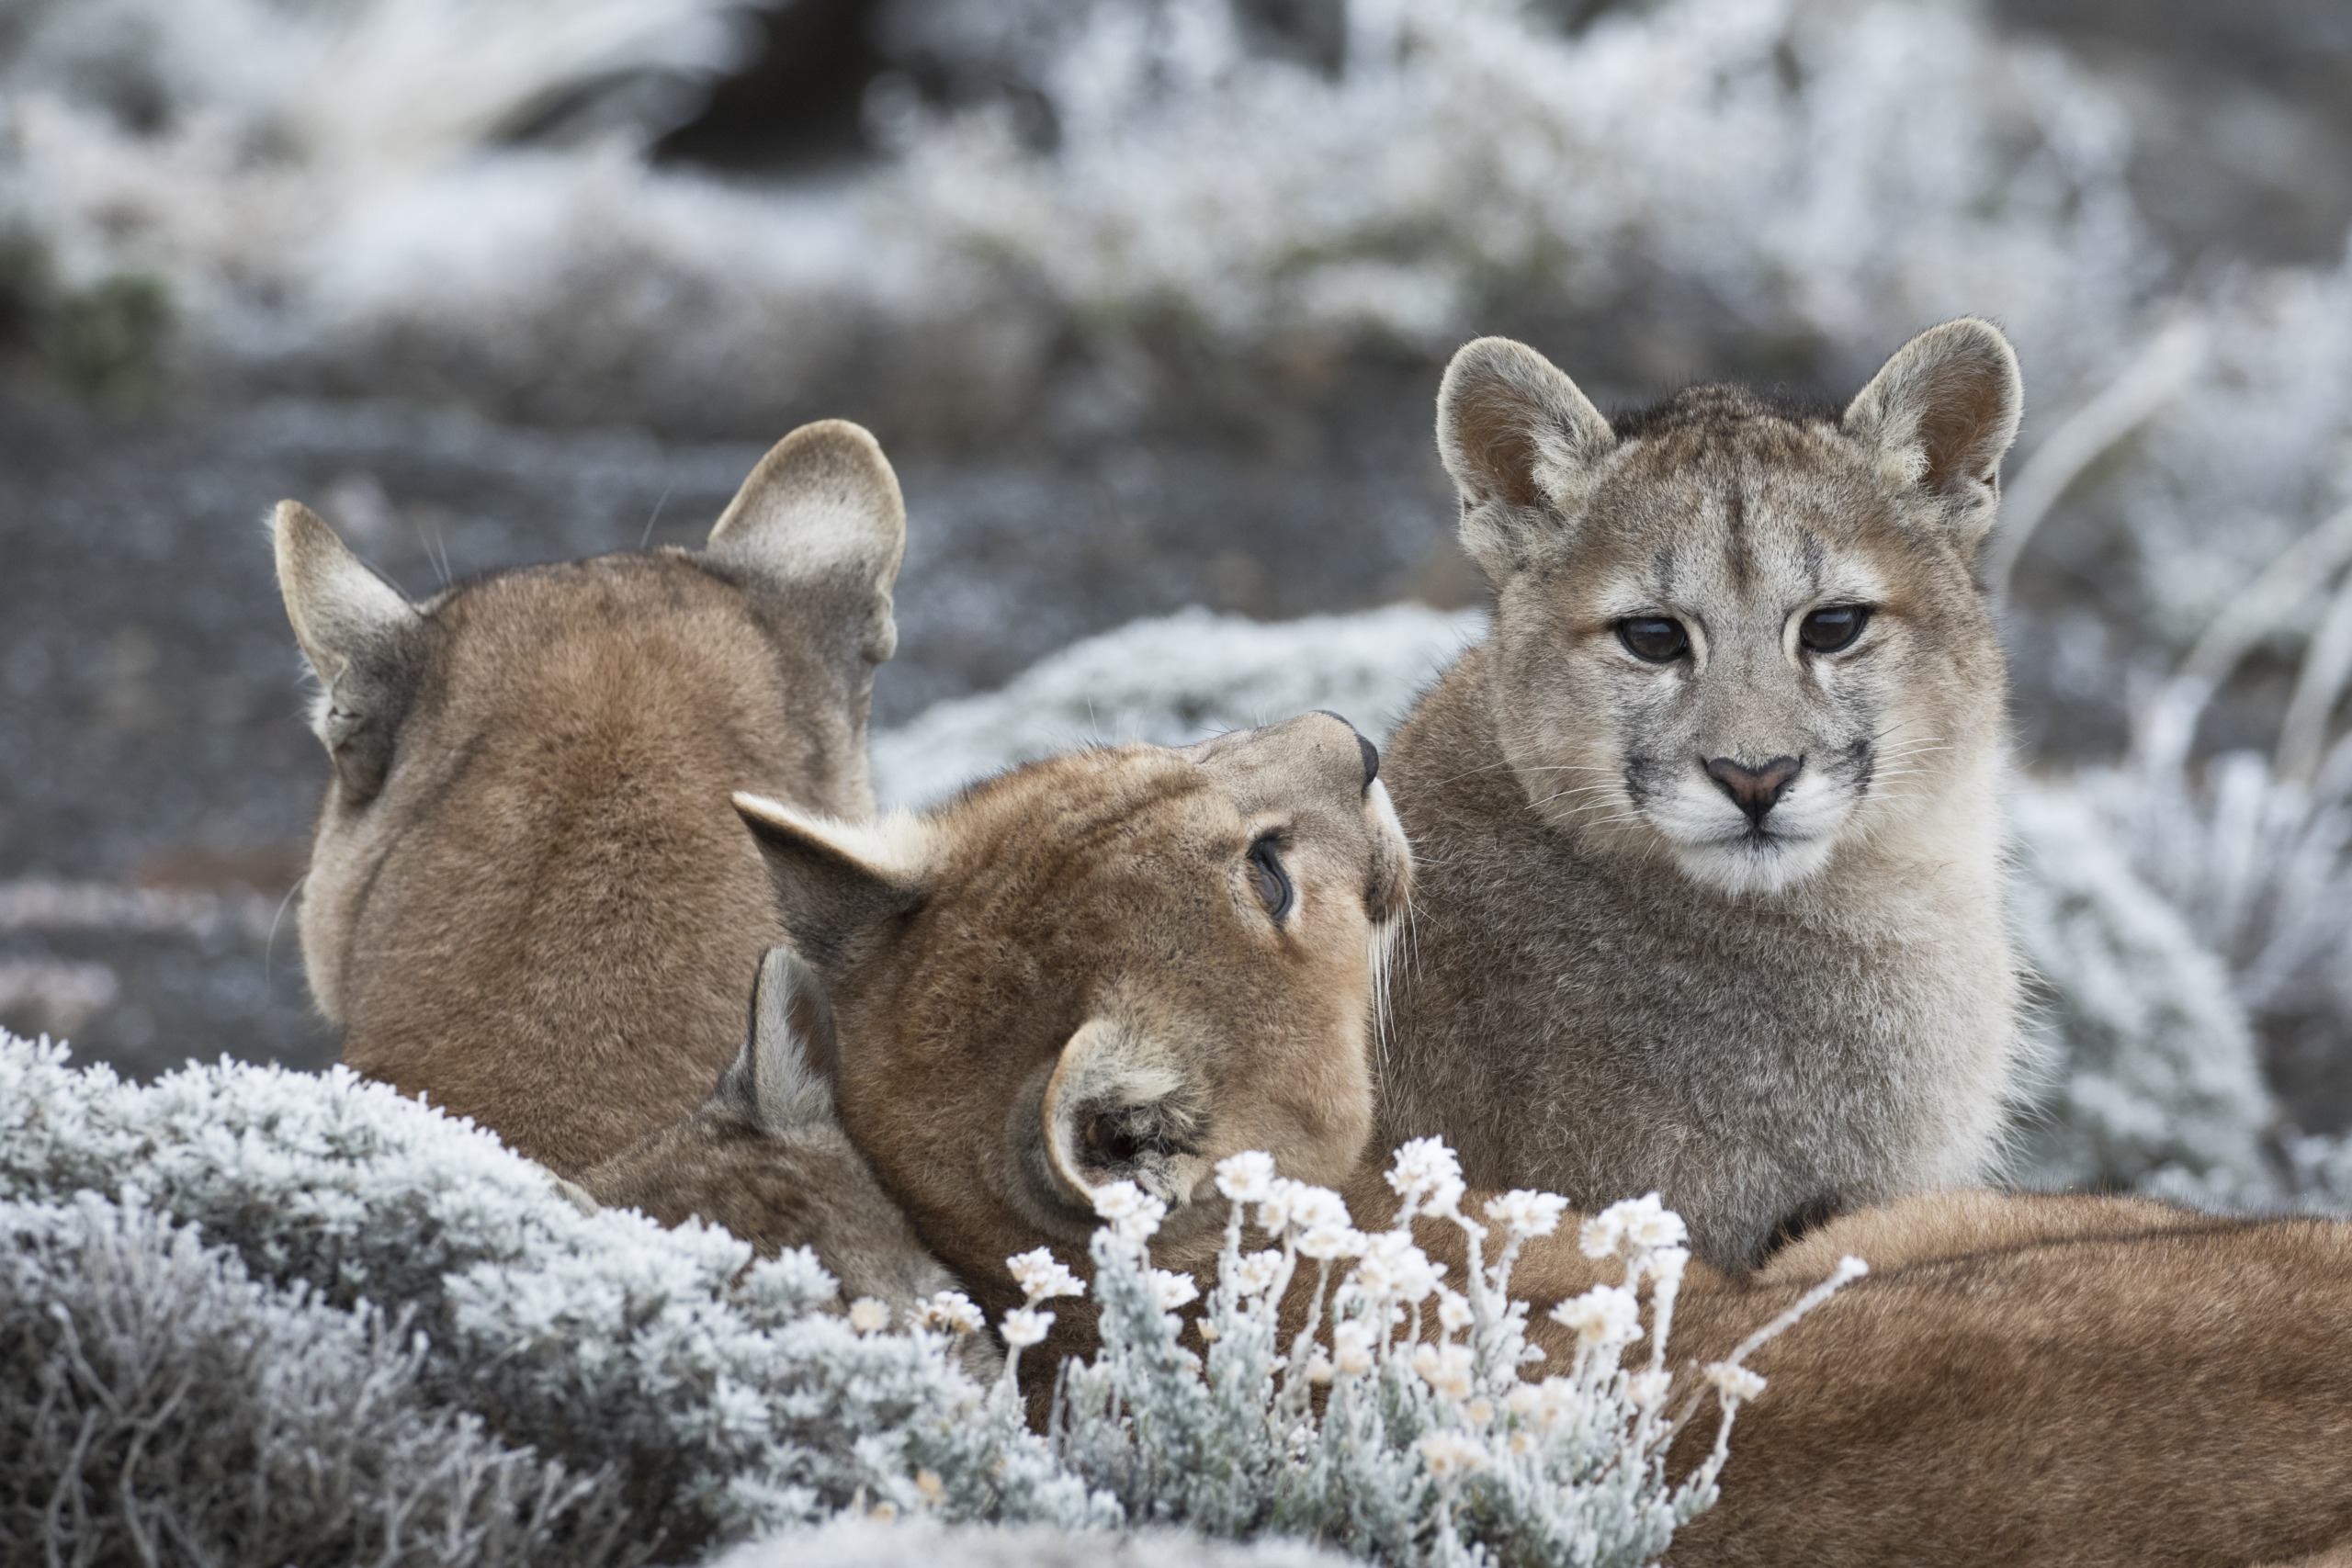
point(528, 898)
point(765, 1158)
point(2020, 1381)
point(1614, 981)
point(1066, 976)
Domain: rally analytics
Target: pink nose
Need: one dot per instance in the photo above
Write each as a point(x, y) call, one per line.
point(1755, 790)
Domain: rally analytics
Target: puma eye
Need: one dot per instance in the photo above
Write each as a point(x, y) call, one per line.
point(1654, 637)
point(1827, 630)
point(1267, 875)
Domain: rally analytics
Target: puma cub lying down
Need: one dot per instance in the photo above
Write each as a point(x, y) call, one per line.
point(527, 897)
point(1712, 897)
point(1130, 962)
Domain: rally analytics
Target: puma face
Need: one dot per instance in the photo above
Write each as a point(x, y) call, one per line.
point(1730, 633)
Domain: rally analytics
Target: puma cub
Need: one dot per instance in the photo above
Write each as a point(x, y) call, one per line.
point(528, 898)
point(1711, 897)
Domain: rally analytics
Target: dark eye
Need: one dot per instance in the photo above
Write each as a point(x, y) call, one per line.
point(1654, 637)
point(1267, 875)
point(1827, 630)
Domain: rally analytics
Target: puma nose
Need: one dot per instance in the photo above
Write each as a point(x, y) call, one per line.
point(1365, 749)
point(1755, 790)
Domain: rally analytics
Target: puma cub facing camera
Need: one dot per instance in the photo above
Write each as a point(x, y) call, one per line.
point(528, 898)
point(1711, 891)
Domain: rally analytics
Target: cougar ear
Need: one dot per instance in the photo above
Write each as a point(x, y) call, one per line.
point(364, 642)
point(1120, 1107)
point(1522, 444)
point(784, 1076)
point(835, 880)
point(822, 510)
point(1940, 415)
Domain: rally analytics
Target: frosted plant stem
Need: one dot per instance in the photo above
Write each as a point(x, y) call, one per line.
point(2327, 665)
point(2141, 391)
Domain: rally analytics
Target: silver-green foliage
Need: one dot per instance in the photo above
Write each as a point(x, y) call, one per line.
point(711, 1387)
point(157, 1403)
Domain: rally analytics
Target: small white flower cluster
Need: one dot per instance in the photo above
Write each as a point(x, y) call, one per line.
point(1397, 1421)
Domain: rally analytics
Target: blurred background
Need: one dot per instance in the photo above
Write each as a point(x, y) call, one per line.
point(1148, 301)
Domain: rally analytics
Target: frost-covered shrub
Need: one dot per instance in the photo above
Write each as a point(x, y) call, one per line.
point(2148, 1058)
point(924, 1543)
point(157, 1403)
point(327, 191)
point(708, 1385)
point(1429, 1448)
point(1840, 170)
point(1173, 681)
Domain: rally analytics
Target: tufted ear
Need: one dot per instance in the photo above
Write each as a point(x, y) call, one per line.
point(822, 510)
point(365, 642)
point(1120, 1107)
point(1523, 445)
point(1940, 415)
point(782, 1078)
point(836, 882)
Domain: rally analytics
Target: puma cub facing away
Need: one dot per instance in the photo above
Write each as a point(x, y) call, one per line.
point(1127, 963)
point(528, 898)
point(1711, 903)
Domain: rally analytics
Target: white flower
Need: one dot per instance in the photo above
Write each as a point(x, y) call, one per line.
point(1648, 1389)
point(1319, 1366)
point(1246, 1177)
point(1479, 1413)
point(1394, 1269)
point(1274, 1209)
point(1542, 1404)
point(1134, 1213)
point(1451, 1453)
point(1024, 1327)
point(1330, 1241)
point(1255, 1274)
point(1174, 1290)
point(1667, 1264)
point(951, 1310)
point(1426, 1176)
point(1041, 1275)
point(1630, 1226)
point(1733, 1380)
point(1526, 1213)
point(1352, 1347)
point(1603, 1317)
point(1454, 1312)
point(869, 1315)
point(1445, 1368)
point(1316, 1208)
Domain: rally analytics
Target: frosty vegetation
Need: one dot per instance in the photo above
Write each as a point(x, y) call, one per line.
point(248, 1311)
